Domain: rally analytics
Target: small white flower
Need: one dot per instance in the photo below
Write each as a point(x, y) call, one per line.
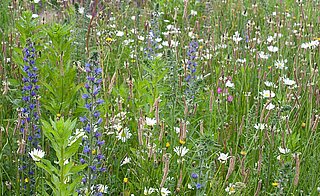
point(269, 84)
point(36, 1)
point(170, 27)
point(124, 135)
point(81, 10)
point(223, 157)
point(148, 191)
point(263, 55)
point(177, 130)
point(133, 17)
point(174, 43)
point(119, 33)
point(260, 126)
point(191, 35)
point(164, 192)
point(270, 39)
point(102, 188)
point(190, 187)
point(273, 48)
point(311, 44)
point(125, 161)
point(37, 154)
point(229, 84)
point(284, 150)
point(288, 82)
point(270, 106)
point(141, 38)
point(193, 13)
point(158, 39)
point(35, 16)
point(236, 37)
point(267, 94)
point(280, 64)
point(230, 189)
point(181, 150)
point(117, 127)
point(279, 157)
point(150, 121)
point(165, 43)
point(241, 61)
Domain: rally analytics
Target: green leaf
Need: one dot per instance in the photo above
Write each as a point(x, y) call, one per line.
point(78, 168)
point(71, 150)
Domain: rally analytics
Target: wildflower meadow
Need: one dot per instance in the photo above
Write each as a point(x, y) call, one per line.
point(159, 97)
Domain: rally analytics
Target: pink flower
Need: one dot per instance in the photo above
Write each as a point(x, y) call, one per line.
point(219, 90)
point(230, 98)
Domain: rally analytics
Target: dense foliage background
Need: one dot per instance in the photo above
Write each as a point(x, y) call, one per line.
point(166, 97)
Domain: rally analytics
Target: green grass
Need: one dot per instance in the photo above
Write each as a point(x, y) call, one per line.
point(218, 109)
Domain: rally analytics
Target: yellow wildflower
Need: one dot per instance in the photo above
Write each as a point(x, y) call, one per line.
point(182, 142)
point(243, 152)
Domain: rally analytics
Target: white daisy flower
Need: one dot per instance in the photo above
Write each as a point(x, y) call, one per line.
point(119, 33)
point(37, 154)
point(273, 48)
point(165, 192)
point(267, 94)
point(280, 64)
point(180, 150)
point(193, 13)
point(148, 191)
point(263, 55)
point(270, 106)
point(150, 121)
point(230, 189)
point(229, 84)
point(260, 126)
point(284, 150)
point(288, 82)
point(35, 16)
point(125, 161)
point(81, 10)
point(236, 37)
point(223, 157)
point(124, 135)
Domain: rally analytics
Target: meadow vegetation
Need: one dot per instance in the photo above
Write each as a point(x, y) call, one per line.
point(165, 97)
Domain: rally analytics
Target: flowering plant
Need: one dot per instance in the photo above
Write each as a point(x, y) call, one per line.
point(58, 132)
